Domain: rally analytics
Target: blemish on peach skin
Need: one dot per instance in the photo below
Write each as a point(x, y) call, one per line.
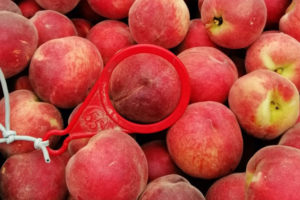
point(3, 170)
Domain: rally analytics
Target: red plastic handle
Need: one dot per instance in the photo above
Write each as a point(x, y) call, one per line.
point(98, 101)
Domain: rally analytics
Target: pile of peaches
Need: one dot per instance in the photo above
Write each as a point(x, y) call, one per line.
point(237, 139)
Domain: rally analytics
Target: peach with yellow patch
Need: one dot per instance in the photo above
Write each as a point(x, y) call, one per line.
point(265, 103)
point(234, 24)
point(273, 173)
point(289, 23)
point(277, 52)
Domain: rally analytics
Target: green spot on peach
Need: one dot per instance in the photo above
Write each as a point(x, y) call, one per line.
point(274, 109)
point(252, 178)
point(3, 170)
point(54, 123)
point(291, 7)
point(249, 177)
point(284, 69)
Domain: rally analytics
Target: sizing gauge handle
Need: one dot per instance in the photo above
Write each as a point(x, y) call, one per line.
point(97, 112)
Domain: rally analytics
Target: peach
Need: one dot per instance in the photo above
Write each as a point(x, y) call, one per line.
point(206, 142)
point(277, 52)
point(211, 73)
point(266, 109)
point(171, 187)
point(82, 26)
point(150, 94)
point(163, 23)
point(111, 166)
point(275, 10)
point(29, 7)
point(85, 11)
point(273, 173)
point(28, 116)
point(62, 6)
point(11, 6)
point(291, 137)
point(63, 70)
point(113, 9)
point(19, 39)
point(289, 23)
point(159, 160)
point(234, 24)
point(27, 176)
point(231, 187)
point(109, 36)
point(22, 82)
point(196, 36)
point(200, 2)
point(51, 24)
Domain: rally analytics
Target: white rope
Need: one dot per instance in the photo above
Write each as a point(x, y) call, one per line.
point(10, 136)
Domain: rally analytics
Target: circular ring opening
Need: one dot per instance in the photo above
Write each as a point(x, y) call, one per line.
point(133, 127)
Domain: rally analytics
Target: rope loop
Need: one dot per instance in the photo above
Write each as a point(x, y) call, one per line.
point(9, 136)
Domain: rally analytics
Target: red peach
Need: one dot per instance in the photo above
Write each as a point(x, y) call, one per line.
point(27, 176)
point(82, 26)
point(275, 10)
point(159, 160)
point(113, 9)
point(19, 39)
point(111, 166)
point(234, 24)
point(273, 173)
point(150, 94)
point(196, 36)
point(206, 142)
point(29, 117)
point(289, 23)
point(63, 70)
point(109, 36)
point(22, 82)
point(291, 137)
point(11, 6)
point(29, 7)
point(171, 187)
point(84, 9)
point(51, 24)
point(163, 23)
point(211, 73)
point(62, 6)
point(200, 2)
point(230, 187)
